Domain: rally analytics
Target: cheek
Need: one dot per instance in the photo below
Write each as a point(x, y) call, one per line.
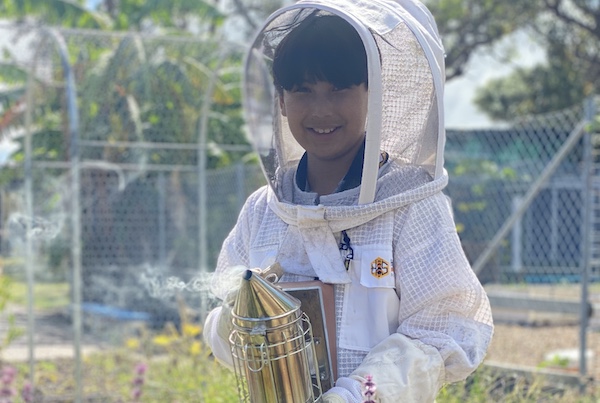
point(358, 109)
point(292, 110)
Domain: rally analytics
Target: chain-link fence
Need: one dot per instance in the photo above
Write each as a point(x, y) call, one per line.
point(130, 170)
point(490, 173)
point(132, 167)
point(525, 203)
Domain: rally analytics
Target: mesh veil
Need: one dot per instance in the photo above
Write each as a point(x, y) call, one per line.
point(411, 83)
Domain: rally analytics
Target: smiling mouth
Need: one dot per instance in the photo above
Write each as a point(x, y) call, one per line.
point(322, 130)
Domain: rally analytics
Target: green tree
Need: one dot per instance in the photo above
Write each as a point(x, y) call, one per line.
point(570, 33)
point(131, 87)
point(179, 15)
point(138, 90)
point(575, 27)
point(253, 12)
point(535, 90)
point(467, 26)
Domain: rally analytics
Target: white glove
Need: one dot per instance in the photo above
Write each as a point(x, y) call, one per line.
point(332, 397)
point(224, 322)
point(403, 367)
point(346, 390)
point(214, 326)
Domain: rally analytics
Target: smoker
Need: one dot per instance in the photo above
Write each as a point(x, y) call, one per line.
point(277, 357)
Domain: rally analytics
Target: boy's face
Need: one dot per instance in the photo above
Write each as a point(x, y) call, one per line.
point(328, 122)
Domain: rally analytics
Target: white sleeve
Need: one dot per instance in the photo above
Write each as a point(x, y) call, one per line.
point(234, 254)
point(443, 304)
point(235, 250)
point(223, 280)
point(445, 322)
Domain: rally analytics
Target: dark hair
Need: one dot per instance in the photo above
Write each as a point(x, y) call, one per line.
point(320, 48)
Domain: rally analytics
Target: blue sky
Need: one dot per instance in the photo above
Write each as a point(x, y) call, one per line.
point(93, 3)
point(485, 65)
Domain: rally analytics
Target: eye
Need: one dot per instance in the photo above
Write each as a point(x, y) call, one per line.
point(340, 88)
point(300, 89)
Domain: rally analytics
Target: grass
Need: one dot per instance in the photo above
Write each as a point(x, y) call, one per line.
point(112, 377)
point(45, 295)
point(488, 385)
point(173, 377)
point(179, 368)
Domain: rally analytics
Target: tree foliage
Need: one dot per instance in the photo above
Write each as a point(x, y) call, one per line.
point(140, 102)
point(136, 15)
point(535, 90)
point(569, 31)
point(253, 13)
point(138, 89)
point(466, 26)
point(574, 26)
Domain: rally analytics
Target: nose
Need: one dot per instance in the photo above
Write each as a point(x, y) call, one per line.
point(321, 105)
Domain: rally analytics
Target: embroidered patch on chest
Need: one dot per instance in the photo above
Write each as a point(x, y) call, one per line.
point(380, 268)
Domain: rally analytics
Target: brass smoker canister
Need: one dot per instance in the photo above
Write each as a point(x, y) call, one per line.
point(272, 345)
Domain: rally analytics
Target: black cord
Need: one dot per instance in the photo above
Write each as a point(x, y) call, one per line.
point(345, 246)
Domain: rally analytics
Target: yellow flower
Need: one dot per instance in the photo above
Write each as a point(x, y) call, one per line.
point(132, 343)
point(191, 330)
point(162, 340)
point(195, 348)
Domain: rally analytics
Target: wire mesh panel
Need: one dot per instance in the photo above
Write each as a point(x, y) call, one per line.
point(522, 203)
point(156, 148)
point(490, 173)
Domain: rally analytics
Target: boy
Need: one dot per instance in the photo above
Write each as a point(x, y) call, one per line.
point(354, 162)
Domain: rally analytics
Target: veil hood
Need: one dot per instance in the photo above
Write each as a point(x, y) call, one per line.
point(405, 61)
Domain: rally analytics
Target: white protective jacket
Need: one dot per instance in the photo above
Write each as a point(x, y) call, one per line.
point(429, 321)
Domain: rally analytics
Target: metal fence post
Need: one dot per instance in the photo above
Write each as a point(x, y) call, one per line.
point(202, 166)
point(516, 245)
point(73, 127)
point(587, 214)
point(28, 175)
point(240, 181)
point(162, 221)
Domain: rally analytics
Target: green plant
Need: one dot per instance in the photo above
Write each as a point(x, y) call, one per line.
point(46, 295)
point(555, 361)
point(170, 373)
point(490, 385)
point(13, 331)
point(180, 367)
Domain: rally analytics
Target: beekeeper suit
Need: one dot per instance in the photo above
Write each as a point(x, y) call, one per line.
point(409, 310)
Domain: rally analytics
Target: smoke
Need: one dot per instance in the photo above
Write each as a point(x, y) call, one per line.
point(39, 228)
point(161, 287)
point(216, 285)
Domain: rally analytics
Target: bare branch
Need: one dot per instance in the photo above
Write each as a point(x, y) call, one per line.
point(245, 13)
point(556, 9)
